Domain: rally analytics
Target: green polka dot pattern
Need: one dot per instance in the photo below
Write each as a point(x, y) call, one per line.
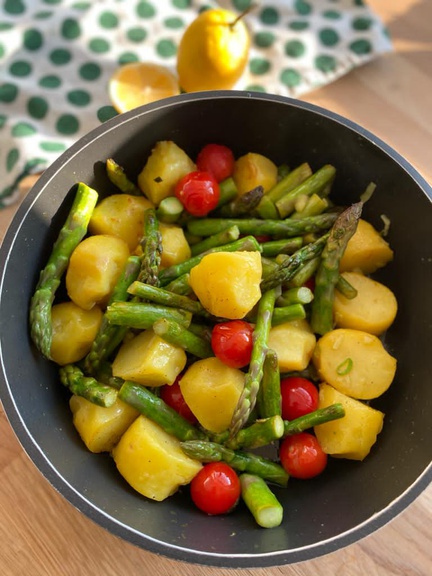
point(56, 58)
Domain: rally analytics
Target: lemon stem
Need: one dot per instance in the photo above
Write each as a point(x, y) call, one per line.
point(242, 15)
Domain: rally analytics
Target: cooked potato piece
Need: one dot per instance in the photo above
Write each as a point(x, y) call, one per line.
point(151, 460)
point(165, 166)
point(175, 247)
point(354, 362)
point(94, 268)
point(228, 283)
point(353, 435)
point(101, 428)
point(212, 389)
point(121, 215)
point(149, 360)
point(253, 170)
point(373, 310)
point(294, 343)
point(73, 331)
point(366, 250)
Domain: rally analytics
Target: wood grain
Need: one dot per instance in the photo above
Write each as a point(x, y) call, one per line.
point(43, 535)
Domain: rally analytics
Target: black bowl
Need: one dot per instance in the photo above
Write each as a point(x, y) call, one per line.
point(350, 499)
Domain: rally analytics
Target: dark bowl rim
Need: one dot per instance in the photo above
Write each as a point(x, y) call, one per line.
point(61, 485)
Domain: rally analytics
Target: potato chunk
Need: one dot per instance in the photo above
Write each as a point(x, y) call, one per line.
point(366, 250)
point(165, 166)
point(73, 331)
point(294, 343)
point(373, 310)
point(149, 360)
point(151, 460)
point(212, 389)
point(101, 428)
point(175, 247)
point(94, 268)
point(354, 362)
point(228, 283)
point(353, 435)
point(253, 170)
point(121, 215)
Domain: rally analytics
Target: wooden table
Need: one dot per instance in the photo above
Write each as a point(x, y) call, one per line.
point(42, 534)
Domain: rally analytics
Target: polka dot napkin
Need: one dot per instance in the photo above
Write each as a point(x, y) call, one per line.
point(56, 57)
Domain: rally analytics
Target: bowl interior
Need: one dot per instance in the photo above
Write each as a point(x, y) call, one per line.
point(350, 499)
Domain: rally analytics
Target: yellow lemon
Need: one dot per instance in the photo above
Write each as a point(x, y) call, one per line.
point(213, 51)
point(138, 83)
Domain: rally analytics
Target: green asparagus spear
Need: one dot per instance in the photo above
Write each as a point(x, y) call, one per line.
point(269, 398)
point(314, 205)
point(288, 268)
point(166, 298)
point(282, 314)
point(180, 336)
point(284, 246)
point(315, 418)
point(328, 271)
point(290, 181)
point(157, 410)
point(118, 177)
point(295, 295)
point(152, 249)
point(243, 204)
point(142, 315)
point(86, 386)
point(249, 243)
point(253, 377)
point(261, 433)
point(104, 375)
point(180, 285)
point(346, 288)
point(260, 500)
point(255, 226)
point(227, 191)
point(71, 234)
point(304, 273)
point(238, 459)
point(224, 237)
point(169, 210)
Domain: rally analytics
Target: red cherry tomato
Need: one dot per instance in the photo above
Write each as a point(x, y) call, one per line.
point(216, 488)
point(299, 397)
point(172, 395)
point(231, 342)
point(310, 283)
point(302, 456)
point(216, 159)
point(198, 192)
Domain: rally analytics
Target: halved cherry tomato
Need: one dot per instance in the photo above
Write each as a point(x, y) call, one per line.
point(198, 192)
point(216, 488)
point(299, 397)
point(172, 395)
point(216, 159)
point(231, 342)
point(302, 456)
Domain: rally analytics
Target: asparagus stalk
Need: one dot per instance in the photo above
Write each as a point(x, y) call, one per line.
point(157, 410)
point(327, 274)
point(248, 243)
point(224, 237)
point(238, 459)
point(288, 268)
point(227, 191)
point(118, 177)
point(243, 204)
point(86, 386)
point(261, 433)
point(255, 226)
point(295, 295)
point(315, 418)
point(253, 377)
point(284, 246)
point(180, 285)
point(152, 249)
point(346, 288)
point(269, 397)
point(169, 210)
point(304, 273)
point(166, 298)
point(180, 336)
point(71, 234)
point(314, 205)
point(260, 500)
point(142, 315)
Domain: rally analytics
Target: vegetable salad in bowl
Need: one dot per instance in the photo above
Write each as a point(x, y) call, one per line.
point(220, 327)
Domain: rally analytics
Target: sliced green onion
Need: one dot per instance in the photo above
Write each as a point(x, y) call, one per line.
point(345, 367)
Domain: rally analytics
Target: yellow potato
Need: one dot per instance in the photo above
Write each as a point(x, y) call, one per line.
point(151, 460)
point(366, 250)
point(101, 428)
point(373, 310)
point(165, 166)
point(121, 215)
point(212, 389)
point(175, 247)
point(294, 343)
point(354, 362)
point(94, 268)
point(353, 435)
point(228, 283)
point(149, 360)
point(253, 170)
point(73, 331)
